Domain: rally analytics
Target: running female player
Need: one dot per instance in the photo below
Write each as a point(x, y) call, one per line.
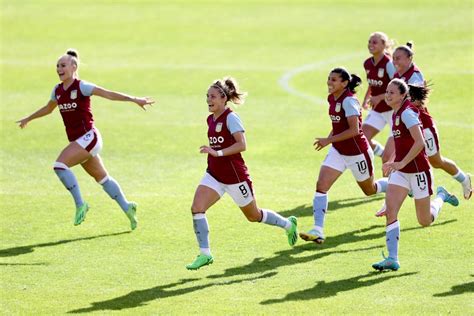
point(72, 97)
point(380, 70)
point(407, 71)
point(410, 170)
point(350, 149)
point(227, 172)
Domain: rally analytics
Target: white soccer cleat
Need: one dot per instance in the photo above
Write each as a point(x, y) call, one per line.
point(382, 211)
point(467, 187)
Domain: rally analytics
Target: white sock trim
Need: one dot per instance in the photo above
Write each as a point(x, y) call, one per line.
point(104, 180)
point(199, 216)
point(318, 228)
point(320, 194)
point(392, 226)
point(205, 251)
point(60, 165)
point(264, 216)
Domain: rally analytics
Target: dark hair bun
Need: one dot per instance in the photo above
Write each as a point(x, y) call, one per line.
point(410, 44)
point(72, 52)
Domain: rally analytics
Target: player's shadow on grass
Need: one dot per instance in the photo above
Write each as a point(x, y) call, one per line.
point(293, 256)
point(324, 289)
point(141, 297)
point(16, 251)
point(307, 210)
point(458, 289)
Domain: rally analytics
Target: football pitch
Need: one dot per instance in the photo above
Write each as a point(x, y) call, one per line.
point(281, 53)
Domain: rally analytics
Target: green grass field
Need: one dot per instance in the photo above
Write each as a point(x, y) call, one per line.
point(281, 53)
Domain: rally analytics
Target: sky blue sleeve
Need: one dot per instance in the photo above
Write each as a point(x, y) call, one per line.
point(86, 88)
point(351, 106)
point(410, 118)
point(417, 79)
point(390, 69)
point(234, 124)
point(53, 94)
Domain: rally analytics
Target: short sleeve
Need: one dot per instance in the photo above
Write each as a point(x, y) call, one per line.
point(351, 106)
point(53, 93)
point(410, 118)
point(234, 124)
point(390, 69)
point(417, 79)
point(86, 88)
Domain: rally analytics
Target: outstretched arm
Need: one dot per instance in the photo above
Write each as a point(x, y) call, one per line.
point(117, 96)
point(45, 110)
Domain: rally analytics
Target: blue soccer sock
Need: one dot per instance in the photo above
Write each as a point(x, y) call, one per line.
point(381, 185)
point(115, 192)
point(393, 235)
point(272, 218)
point(69, 180)
point(460, 176)
point(320, 205)
point(378, 149)
point(201, 229)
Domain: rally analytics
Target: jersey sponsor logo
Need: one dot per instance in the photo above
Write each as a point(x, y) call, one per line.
point(67, 106)
point(396, 133)
point(381, 72)
point(338, 107)
point(335, 118)
point(375, 82)
point(216, 140)
point(73, 94)
point(218, 127)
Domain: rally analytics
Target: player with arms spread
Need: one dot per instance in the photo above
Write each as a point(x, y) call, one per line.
point(72, 97)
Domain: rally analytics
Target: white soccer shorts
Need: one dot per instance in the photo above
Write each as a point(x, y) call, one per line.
point(361, 166)
point(431, 141)
point(91, 141)
point(419, 183)
point(379, 120)
point(241, 192)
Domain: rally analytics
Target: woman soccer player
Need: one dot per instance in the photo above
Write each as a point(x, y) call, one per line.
point(227, 172)
point(350, 149)
point(409, 171)
point(72, 97)
point(380, 70)
point(407, 71)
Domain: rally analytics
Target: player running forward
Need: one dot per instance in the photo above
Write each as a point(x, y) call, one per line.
point(407, 71)
point(72, 97)
point(350, 149)
point(227, 172)
point(409, 171)
point(380, 70)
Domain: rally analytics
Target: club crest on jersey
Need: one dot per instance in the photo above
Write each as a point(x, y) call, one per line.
point(381, 72)
point(218, 127)
point(397, 121)
point(367, 71)
point(58, 96)
point(338, 107)
point(73, 94)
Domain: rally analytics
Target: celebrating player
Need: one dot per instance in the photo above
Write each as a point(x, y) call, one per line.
point(380, 70)
point(410, 170)
point(227, 172)
point(350, 149)
point(72, 97)
point(407, 71)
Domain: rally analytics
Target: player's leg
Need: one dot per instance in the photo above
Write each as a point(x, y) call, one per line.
point(207, 194)
point(397, 191)
point(255, 214)
point(372, 125)
point(328, 174)
point(362, 168)
point(389, 152)
point(72, 155)
point(449, 166)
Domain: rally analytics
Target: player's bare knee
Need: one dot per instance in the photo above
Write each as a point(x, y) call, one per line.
point(196, 209)
point(425, 222)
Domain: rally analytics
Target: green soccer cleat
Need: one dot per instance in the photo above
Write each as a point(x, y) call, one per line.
point(81, 212)
point(313, 235)
point(132, 215)
point(447, 197)
point(292, 232)
point(200, 261)
point(387, 263)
